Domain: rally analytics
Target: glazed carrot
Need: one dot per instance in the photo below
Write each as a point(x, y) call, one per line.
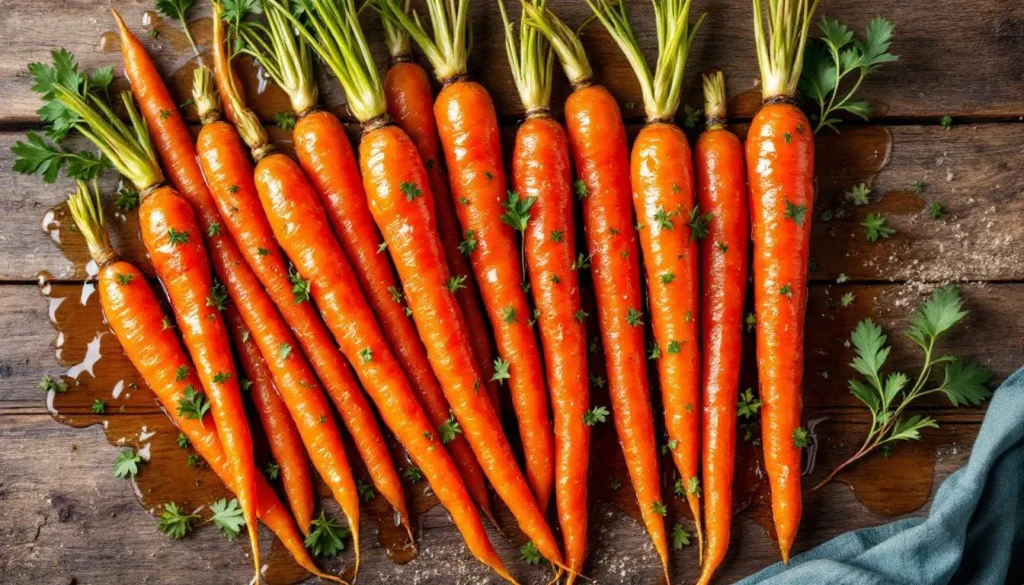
point(597, 140)
point(780, 170)
point(229, 173)
point(670, 226)
point(134, 314)
point(542, 173)
point(300, 224)
point(174, 240)
point(285, 442)
point(469, 132)
point(411, 106)
point(722, 193)
point(396, 183)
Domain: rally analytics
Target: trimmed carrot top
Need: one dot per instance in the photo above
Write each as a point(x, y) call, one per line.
point(395, 35)
point(282, 52)
point(532, 61)
point(780, 51)
point(448, 50)
point(87, 211)
point(715, 108)
point(333, 32)
point(248, 125)
point(662, 89)
point(564, 41)
point(129, 149)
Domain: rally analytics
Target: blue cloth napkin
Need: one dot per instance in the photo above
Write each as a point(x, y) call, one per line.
point(974, 532)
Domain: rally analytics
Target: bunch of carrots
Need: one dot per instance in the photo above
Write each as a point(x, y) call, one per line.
point(368, 278)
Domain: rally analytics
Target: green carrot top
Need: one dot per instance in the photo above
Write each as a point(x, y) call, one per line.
point(780, 49)
point(661, 90)
point(448, 50)
point(532, 61)
point(564, 41)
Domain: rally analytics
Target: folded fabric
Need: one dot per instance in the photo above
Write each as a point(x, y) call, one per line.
point(974, 532)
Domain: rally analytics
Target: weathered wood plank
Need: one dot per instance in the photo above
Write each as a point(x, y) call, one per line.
point(973, 172)
point(945, 61)
point(991, 335)
point(65, 519)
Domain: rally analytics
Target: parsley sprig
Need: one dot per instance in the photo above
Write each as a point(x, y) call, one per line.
point(841, 55)
point(887, 397)
point(327, 537)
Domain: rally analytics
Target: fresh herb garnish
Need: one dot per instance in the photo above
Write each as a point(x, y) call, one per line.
point(680, 537)
point(193, 404)
point(126, 465)
point(449, 430)
point(227, 517)
point(875, 227)
point(174, 522)
point(859, 195)
point(529, 554)
point(326, 538)
point(595, 415)
point(840, 54)
point(887, 397)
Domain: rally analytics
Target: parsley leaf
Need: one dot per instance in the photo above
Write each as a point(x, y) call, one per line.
point(449, 430)
point(326, 538)
point(37, 156)
point(529, 554)
point(285, 120)
point(174, 522)
point(300, 287)
point(859, 195)
point(748, 405)
point(468, 245)
point(875, 228)
point(193, 405)
point(127, 464)
point(699, 224)
point(367, 493)
point(411, 191)
point(841, 55)
point(272, 471)
point(500, 371)
point(595, 415)
point(517, 211)
point(888, 396)
point(56, 385)
point(227, 516)
point(679, 536)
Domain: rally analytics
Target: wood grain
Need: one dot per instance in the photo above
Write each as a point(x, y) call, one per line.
point(957, 61)
point(87, 529)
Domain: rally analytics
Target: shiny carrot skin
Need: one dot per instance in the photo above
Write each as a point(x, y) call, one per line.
point(189, 282)
point(541, 169)
point(324, 152)
point(411, 106)
point(229, 173)
point(388, 159)
point(597, 137)
point(780, 169)
point(722, 192)
point(172, 238)
point(302, 228)
point(285, 442)
point(134, 314)
point(663, 196)
point(469, 132)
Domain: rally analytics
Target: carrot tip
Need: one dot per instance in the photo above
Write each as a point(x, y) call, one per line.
point(120, 21)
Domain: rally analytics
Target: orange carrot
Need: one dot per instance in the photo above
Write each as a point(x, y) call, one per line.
point(468, 126)
point(300, 224)
point(285, 441)
point(542, 173)
point(230, 177)
point(722, 193)
point(597, 139)
point(139, 323)
point(780, 170)
point(411, 106)
point(670, 226)
point(174, 240)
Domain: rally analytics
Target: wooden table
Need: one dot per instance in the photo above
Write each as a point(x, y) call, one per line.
point(65, 519)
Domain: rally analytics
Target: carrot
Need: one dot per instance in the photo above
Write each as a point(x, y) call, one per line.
point(230, 176)
point(722, 193)
point(396, 183)
point(670, 226)
point(597, 140)
point(780, 169)
point(285, 441)
point(542, 173)
point(134, 314)
point(469, 132)
point(300, 224)
point(411, 106)
point(173, 238)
